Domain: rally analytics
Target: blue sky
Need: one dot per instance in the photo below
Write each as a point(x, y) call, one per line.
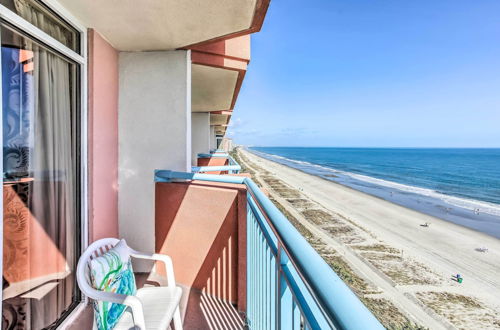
point(373, 73)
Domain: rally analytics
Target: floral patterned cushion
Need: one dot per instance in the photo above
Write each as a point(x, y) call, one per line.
point(112, 272)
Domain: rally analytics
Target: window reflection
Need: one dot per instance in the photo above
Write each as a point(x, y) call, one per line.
point(40, 16)
point(41, 234)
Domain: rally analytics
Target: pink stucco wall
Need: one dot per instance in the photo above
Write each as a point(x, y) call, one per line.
point(202, 227)
point(103, 138)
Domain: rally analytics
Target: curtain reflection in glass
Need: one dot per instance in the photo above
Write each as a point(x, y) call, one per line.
point(40, 183)
point(38, 14)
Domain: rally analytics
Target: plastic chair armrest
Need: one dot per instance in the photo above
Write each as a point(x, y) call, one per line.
point(159, 257)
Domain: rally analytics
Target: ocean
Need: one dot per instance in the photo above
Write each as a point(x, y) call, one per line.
point(457, 185)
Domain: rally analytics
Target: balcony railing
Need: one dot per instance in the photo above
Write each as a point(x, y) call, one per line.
point(289, 286)
point(214, 154)
point(232, 168)
point(217, 151)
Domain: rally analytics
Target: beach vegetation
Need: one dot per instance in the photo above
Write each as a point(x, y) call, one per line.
point(376, 248)
point(389, 315)
point(460, 310)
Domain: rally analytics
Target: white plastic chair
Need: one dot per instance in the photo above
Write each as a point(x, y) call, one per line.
point(150, 308)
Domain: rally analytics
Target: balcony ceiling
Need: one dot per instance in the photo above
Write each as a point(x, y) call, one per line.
point(218, 119)
point(131, 25)
point(212, 88)
point(220, 123)
point(219, 130)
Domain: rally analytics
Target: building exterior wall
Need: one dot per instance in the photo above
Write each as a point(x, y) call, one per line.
point(103, 138)
point(200, 134)
point(154, 133)
point(226, 144)
point(213, 141)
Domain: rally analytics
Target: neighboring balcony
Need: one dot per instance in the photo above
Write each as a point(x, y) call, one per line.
point(241, 262)
point(218, 162)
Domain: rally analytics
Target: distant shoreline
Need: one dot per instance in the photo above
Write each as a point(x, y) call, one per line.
point(415, 198)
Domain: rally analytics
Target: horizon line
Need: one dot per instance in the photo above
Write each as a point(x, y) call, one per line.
point(366, 147)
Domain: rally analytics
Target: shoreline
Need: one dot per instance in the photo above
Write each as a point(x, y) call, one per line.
point(401, 261)
point(483, 222)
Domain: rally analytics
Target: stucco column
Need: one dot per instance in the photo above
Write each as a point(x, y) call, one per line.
point(154, 133)
point(200, 134)
point(213, 141)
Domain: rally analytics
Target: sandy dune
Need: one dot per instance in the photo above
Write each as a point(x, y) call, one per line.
point(385, 244)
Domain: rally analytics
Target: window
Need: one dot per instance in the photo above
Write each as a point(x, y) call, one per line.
point(43, 18)
point(41, 180)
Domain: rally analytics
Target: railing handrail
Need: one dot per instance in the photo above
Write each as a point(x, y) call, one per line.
point(213, 151)
point(230, 159)
point(216, 155)
point(200, 169)
point(336, 298)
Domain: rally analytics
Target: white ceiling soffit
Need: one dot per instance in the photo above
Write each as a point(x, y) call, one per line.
point(218, 119)
point(212, 88)
point(132, 25)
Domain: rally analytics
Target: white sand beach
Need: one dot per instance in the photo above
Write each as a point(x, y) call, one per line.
point(398, 259)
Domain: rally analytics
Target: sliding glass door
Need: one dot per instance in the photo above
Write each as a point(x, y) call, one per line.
point(41, 178)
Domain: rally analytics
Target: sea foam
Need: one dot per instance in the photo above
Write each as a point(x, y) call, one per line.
point(320, 170)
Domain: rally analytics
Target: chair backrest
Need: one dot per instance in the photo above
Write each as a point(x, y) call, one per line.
point(94, 250)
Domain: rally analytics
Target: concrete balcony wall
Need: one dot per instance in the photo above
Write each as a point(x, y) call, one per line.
point(200, 134)
point(202, 227)
point(154, 133)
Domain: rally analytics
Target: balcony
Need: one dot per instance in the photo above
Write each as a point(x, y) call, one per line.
point(218, 162)
point(241, 261)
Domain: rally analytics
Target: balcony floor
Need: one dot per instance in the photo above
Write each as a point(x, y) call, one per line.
point(199, 310)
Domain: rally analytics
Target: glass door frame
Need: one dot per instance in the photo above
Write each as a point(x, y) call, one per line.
point(31, 30)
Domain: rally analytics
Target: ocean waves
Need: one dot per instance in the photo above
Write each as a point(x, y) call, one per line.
point(393, 191)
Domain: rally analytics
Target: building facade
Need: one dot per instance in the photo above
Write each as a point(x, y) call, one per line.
point(96, 97)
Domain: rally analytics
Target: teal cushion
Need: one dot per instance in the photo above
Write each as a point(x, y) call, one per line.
point(112, 272)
